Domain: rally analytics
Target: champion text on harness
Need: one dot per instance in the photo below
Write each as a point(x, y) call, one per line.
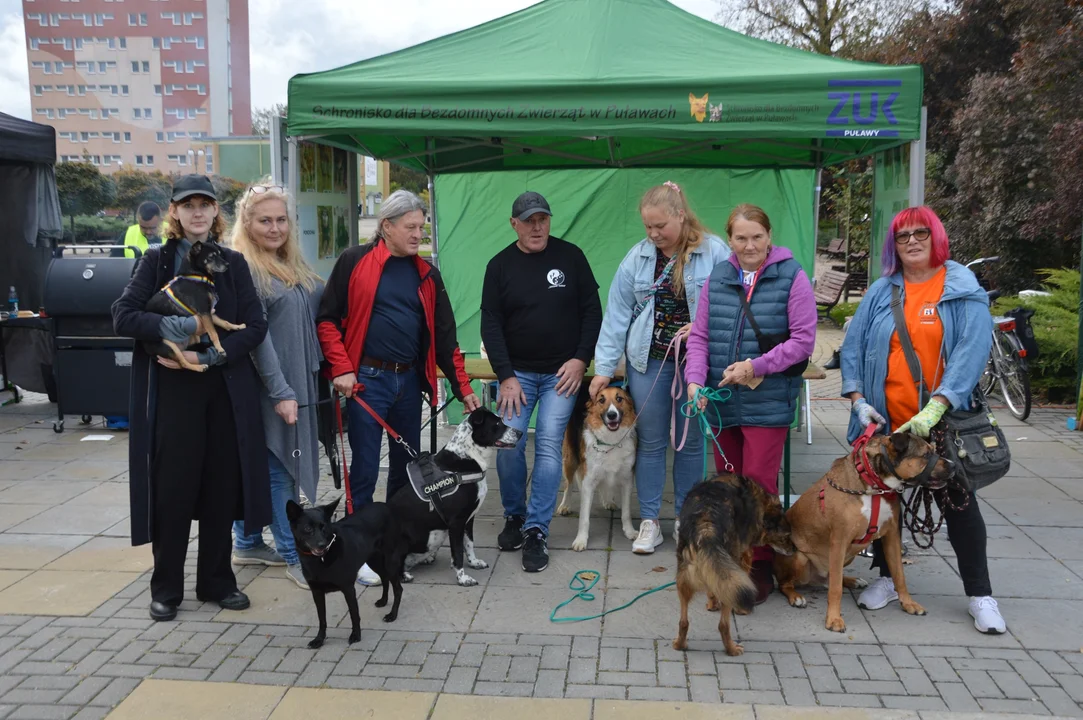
point(445, 492)
point(855, 503)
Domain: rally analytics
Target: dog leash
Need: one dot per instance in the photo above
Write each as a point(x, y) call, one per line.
point(582, 582)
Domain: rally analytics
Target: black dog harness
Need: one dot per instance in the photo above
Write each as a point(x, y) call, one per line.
point(432, 484)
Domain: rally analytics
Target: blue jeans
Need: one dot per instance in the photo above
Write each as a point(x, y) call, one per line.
point(396, 397)
point(283, 488)
point(654, 418)
point(553, 413)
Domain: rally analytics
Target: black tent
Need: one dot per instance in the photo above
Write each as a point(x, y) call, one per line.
point(29, 205)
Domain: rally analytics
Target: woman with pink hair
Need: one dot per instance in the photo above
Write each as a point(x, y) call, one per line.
point(947, 317)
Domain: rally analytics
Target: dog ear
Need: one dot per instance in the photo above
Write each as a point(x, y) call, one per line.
point(900, 443)
point(293, 511)
point(197, 246)
point(329, 508)
point(691, 97)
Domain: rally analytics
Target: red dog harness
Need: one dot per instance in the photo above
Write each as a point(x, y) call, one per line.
point(870, 478)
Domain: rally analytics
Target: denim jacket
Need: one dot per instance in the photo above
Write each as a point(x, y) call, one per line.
point(634, 278)
point(968, 333)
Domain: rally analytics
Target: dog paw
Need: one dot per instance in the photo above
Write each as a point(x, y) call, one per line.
point(382, 602)
point(742, 611)
point(466, 581)
point(242, 326)
point(735, 650)
point(835, 624)
point(407, 577)
point(678, 645)
point(477, 564)
point(391, 617)
point(580, 544)
point(427, 560)
point(913, 608)
point(354, 637)
point(317, 642)
point(611, 506)
point(855, 583)
point(630, 533)
point(564, 511)
point(798, 601)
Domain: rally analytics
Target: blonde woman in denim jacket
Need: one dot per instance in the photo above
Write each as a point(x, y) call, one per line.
point(654, 297)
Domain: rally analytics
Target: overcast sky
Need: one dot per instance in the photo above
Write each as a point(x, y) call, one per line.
point(290, 37)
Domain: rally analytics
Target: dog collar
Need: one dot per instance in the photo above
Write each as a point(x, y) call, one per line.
point(862, 464)
point(321, 557)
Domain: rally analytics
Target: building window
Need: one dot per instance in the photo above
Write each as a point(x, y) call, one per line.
point(150, 159)
point(133, 19)
point(127, 137)
point(156, 43)
point(138, 159)
point(146, 113)
point(210, 163)
point(135, 66)
point(158, 90)
point(124, 90)
point(102, 67)
point(137, 113)
point(146, 66)
point(38, 89)
point(82, 90)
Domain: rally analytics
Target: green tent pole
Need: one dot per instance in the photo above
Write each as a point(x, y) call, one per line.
point(1079, 352)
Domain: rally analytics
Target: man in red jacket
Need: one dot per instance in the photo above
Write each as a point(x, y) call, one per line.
point(385, 322)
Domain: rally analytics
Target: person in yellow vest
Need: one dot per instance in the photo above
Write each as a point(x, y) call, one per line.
point(148, 229)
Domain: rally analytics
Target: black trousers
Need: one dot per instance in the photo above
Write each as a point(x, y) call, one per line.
point(966, 533)
point(195, 475)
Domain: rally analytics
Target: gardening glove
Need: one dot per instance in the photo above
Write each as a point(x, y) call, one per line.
point(867, 414)
point(925, 420)
point(176, 328)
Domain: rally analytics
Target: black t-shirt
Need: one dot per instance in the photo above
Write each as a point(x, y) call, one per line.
point(539, 310)
point(394, 332)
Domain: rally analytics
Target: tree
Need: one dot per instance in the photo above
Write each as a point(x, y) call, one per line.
point(262, 118)
point(407, 179)
point(844, 28)
point(228, 190)
point(136, 186)
point(82, 189)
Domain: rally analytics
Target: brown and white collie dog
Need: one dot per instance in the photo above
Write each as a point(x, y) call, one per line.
point(600, 452)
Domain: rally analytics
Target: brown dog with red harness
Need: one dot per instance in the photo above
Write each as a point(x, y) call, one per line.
point(856, 502)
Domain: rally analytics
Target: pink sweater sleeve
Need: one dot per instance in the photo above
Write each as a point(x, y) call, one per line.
point(801, 308)
point(695, 368)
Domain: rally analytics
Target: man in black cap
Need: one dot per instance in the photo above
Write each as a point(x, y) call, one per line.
point(540, 318)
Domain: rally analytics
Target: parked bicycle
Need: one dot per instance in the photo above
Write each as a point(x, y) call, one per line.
point(1006, 372)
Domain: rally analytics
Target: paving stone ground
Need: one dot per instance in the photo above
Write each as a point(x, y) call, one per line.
point(75, 638)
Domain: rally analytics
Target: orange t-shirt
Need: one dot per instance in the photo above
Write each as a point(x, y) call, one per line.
point(927, 335)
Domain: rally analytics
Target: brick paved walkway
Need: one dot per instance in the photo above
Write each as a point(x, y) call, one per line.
point(75, 639)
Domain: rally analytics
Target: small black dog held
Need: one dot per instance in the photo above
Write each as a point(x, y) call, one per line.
point(332, 553)
point(191, 293)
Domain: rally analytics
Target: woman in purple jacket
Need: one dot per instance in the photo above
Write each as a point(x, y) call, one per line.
point(762, 369)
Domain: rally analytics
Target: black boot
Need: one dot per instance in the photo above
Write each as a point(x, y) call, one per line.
point(834, 362)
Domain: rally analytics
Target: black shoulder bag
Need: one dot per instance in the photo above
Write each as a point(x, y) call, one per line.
point(768, 341)
point(971, 439)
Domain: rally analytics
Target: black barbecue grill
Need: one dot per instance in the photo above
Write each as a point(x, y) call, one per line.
point(91, 365)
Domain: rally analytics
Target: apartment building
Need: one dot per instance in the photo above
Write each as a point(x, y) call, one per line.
point(139, 83)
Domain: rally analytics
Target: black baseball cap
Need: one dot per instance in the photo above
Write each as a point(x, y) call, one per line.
point(528, 204)
point(189, 185)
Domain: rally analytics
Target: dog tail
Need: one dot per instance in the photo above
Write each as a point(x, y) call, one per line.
point(723, 575)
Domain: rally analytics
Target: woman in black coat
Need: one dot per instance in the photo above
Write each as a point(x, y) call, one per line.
point(196, 449)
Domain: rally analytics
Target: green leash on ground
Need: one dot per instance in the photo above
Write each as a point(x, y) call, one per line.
point(583, 581)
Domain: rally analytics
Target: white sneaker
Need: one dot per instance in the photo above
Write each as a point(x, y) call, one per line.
point(366, 576)
point(986, 615)
point(676, 529)
point(878, 594)
point(650, 537)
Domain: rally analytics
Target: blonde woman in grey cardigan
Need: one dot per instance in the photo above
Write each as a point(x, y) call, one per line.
point(287, 361)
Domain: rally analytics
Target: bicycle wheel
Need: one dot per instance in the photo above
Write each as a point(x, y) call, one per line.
point(1014, 379)
point(989, 377)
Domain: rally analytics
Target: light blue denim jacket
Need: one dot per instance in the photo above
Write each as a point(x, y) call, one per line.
point(630, 285)
point(968, 333)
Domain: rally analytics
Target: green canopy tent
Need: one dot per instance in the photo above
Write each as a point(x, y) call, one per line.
point(592, 101)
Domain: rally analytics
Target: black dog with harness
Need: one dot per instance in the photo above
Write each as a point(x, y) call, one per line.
point(433, 484)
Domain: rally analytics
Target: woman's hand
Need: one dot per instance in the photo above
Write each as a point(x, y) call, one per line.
point(471, 402)
point(174, 365)
point(923, 423)
point(599, 383)
point(739, 373)
point(867, 414)
point(683, 332)
point(701, 402)
point(287, 410)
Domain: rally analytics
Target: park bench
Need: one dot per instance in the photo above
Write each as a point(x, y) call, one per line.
point(835, 248)
point(829, 289)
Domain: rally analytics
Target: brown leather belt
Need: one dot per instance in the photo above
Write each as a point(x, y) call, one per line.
point(395, 367)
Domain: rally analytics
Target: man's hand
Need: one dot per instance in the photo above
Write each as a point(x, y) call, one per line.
point(344, 384)
point(867, 414)
point(570, 377)
point(511, 398)
point(599, 383)
point(701, 403)
point(922, 423)
point(471, 403)
point(287, 410)
point(174, 365)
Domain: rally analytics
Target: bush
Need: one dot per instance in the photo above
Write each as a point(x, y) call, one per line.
point(840, 312)
point(1056, 328)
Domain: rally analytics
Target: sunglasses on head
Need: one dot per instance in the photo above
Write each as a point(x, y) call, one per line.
point(920, 234)
point(260, 189)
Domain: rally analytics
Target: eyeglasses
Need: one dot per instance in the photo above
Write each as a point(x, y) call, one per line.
point(260, 189)
point(903, 237)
